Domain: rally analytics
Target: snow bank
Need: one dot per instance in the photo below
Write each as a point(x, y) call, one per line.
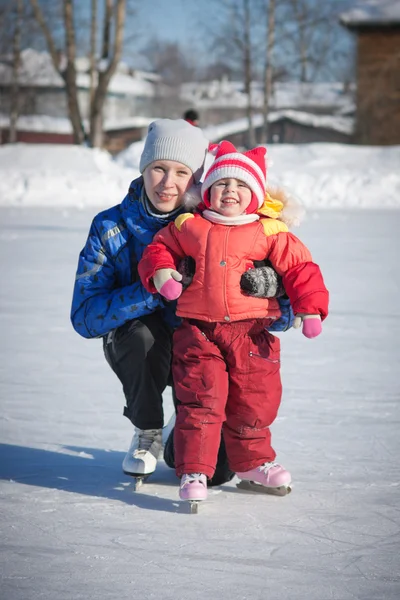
point(320, 175)
point(55, 175)
point(338, 175)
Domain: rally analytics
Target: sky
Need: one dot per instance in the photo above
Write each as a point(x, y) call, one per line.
point(71, 526)
point(181, 21)
point(174, 20)
point(171, 20)
point(195, 24)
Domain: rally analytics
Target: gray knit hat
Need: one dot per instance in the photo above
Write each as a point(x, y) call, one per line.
point(175, 139)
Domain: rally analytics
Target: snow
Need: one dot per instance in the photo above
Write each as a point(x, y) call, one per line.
point(57, 175)
point(334, 122)
point(41, 123)
point(71, 526)
point(37, 68)
point(286, 95)
point(321, 175)
point(372, 11)
point(45, 123)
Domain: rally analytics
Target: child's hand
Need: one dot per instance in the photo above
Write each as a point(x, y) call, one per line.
point(166, 282)
point(311, 324)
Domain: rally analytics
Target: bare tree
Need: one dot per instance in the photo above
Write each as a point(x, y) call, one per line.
point(14, 98)
point(232, 39)
point(104, 75)
point(309, 37)
point(92, 52)
point(107, 30)
point(269, 67)
point(170, 61)
point(248, 74)
point(100, 71)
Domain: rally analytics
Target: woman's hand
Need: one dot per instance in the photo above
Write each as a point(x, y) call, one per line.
point(262, 282)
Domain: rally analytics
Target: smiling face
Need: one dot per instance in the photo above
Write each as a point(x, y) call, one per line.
point(165, 182)
point(230, 197)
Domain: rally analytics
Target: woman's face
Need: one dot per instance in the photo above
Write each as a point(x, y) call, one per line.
point(165, 182)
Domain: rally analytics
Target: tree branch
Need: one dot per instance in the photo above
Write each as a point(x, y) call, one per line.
point(47, 34)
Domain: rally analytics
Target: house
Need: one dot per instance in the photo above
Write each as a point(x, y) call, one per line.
point(41, 129)
point(286, 127)
point(130, 104)
point(299, 112)
point(376, 23)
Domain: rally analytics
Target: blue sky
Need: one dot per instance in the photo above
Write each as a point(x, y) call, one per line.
point(186, 22)
point(170, 19)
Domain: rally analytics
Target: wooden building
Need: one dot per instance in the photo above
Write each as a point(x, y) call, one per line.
point(286, 127)
point(377, 27)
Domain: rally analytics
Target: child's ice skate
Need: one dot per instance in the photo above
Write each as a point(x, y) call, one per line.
point(193, 488)
point(269, 478)
point(141, 459)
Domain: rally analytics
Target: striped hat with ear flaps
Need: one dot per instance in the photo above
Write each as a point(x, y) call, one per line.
point(249, 167)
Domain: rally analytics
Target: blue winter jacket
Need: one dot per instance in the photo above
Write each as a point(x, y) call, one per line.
point(108, 291)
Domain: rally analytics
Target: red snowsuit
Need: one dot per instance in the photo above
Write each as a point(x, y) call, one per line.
point(226, 366)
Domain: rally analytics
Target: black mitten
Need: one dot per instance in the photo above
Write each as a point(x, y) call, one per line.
point(262, 282)
point(187, 268)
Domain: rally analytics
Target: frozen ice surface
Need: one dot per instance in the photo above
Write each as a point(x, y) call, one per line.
point(71, 526)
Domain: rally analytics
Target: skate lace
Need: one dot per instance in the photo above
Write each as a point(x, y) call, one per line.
point(191, 478)
point(267, 466)
point(146, 439)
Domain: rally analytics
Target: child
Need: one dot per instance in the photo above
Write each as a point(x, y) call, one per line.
point(226, 364)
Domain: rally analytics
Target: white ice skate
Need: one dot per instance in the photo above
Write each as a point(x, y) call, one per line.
point(141, 459)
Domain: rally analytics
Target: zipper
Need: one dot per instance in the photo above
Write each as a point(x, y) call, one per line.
point(225, 258)
point(271, 360)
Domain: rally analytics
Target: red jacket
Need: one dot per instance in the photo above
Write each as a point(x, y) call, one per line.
point(222, 254)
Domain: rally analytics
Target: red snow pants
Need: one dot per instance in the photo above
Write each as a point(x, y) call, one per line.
point(226, 375)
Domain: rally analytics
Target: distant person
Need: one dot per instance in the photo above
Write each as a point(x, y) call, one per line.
point(109, 301)
point(192, 116)
point(226, 364)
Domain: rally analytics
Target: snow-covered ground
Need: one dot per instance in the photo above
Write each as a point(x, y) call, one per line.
point(71, 526)
point(322, 175)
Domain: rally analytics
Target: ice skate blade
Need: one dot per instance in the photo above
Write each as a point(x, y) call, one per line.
point(251, 486)
point(138, 479)
point(138, 483)
point(194, 507)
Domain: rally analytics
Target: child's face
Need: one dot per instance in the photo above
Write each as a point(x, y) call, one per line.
point(230, 197)
point(165, 182)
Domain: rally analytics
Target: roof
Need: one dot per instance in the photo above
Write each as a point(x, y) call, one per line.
point(287, 95)
point(37, 70)
point(336, 123)
point(369, 14)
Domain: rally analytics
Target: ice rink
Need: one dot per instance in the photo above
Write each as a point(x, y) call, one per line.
point(72, 527)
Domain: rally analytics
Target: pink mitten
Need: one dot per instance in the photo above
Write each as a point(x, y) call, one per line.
point(311, 325)
point(171, 290)
point(166, 282)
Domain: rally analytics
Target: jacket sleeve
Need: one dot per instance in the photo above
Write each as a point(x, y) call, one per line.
point(98, 306)
point(164, 252)
point(301, 277)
